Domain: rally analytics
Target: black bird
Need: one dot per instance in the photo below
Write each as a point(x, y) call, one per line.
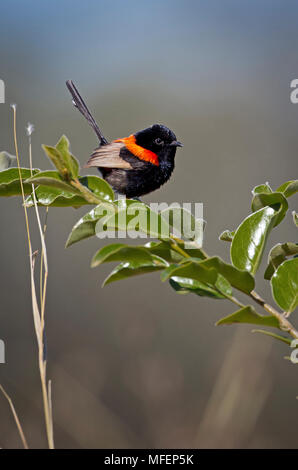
point(134, 165)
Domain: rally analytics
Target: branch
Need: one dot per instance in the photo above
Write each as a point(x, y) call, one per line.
point(285, 325)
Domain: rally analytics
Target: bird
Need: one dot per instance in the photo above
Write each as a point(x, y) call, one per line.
point(135, 165)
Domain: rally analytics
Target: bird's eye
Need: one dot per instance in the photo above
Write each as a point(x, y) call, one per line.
point(158, 141)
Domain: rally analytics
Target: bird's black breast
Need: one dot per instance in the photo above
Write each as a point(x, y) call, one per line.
point(148, 179)
point(143, 178)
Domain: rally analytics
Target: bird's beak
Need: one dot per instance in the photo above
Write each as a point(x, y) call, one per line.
point(175, 143)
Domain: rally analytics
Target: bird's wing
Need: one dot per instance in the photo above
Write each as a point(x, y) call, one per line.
point(108, 156)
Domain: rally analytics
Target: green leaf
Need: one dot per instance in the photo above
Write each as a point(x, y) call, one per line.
point(54, 197)
point(289, 188)
point(262, 188)
point(137, 216)
point(249, 315)
point(190, 248)
point(69, 160)
point(120, 216)
point(184, 224)
point(57, 160)
point(295, 218)
point(223, 285)
point(121, 252)
point(86, 226)
point(66, 164)
point(241, 280)
point(163, 250)
point(284, 284)
point(212, 271)
point(6, 160)
point(278, 254)
point(10, 183)
point(226, 236)
point(99, 187)
point(54, 180)
point(128, 216)
point(275, 200)
point(250, 239)
point(184, 285)
point(53, 191)
point(135, 268)
point(274, 335)
point(191, 270)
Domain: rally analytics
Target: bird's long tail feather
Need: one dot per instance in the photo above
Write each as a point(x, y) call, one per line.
point(79, 103)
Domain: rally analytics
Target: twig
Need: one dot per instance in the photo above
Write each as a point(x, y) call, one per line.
point(17, 421)
point(285, 325)
point(232, 299)
point(175, 246)
point(179, 250)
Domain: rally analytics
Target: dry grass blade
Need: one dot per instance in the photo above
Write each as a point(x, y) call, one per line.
point(44, 261)
point(38, 314)
point(17, 421)
point(41, 261)
point(50, 407)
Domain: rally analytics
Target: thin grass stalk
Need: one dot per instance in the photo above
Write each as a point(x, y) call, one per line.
point(16, 418)
point(44, 264)
point(37, 317)
point(41, 260)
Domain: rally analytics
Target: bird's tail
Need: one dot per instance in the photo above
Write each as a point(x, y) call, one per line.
point(79, 103)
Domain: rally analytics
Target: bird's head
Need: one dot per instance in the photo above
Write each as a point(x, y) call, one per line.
point(158, 139)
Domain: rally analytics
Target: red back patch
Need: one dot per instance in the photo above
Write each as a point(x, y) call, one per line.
point(138, 151)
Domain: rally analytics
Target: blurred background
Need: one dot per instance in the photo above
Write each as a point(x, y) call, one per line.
point(134, 364)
